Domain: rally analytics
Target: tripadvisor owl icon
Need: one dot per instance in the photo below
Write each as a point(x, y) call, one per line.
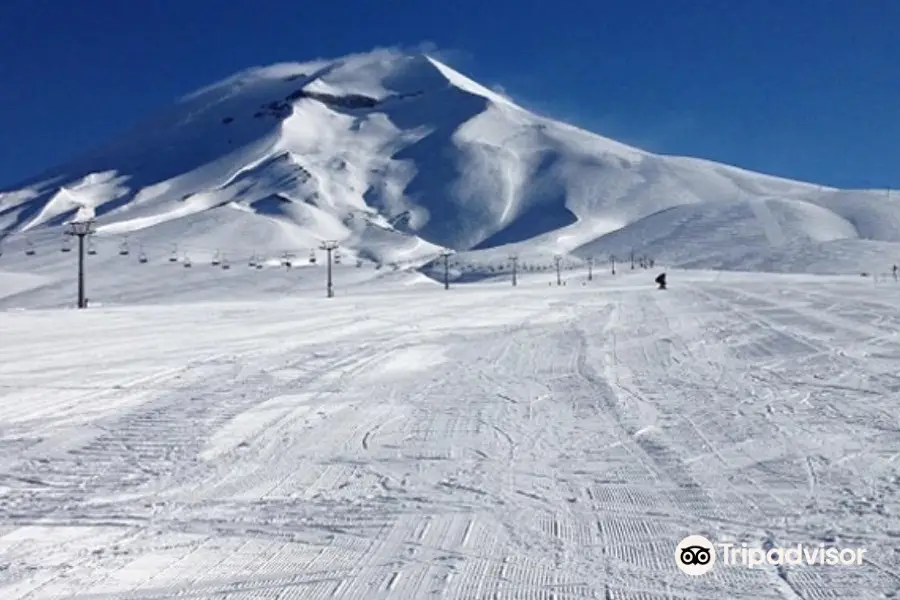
point(695, 555)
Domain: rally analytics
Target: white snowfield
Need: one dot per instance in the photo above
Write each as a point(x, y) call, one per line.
point(397, 155)
point(485, 441)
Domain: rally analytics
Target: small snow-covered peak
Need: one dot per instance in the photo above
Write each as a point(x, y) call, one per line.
point(386, 73)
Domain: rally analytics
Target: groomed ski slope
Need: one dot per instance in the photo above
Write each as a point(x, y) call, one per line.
point(483, 442)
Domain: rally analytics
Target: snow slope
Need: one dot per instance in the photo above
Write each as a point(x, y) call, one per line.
point(397, 155)
point(410, 442)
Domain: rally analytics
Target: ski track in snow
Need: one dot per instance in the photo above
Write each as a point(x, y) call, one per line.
point(555, 443)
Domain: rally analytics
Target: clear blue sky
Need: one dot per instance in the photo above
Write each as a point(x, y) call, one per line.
point(803, 88)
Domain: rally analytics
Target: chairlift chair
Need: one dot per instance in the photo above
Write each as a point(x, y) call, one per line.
point(142, 258)
point(337, 257)
point(67, 244)
point(215, 260)
point(312, 257)
point(123, 249)
point(187, 261)
point(174, 257)
point(92, 250)
point(225, 264)
point(29, 250)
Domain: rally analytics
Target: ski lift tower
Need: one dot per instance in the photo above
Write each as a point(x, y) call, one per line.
point(446, 254)
point(81, 228)
point(514, 259)
point(329, 246)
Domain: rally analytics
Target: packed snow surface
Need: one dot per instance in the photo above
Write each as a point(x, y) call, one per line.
point(485, 441)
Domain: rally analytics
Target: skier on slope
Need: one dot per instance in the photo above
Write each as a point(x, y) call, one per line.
point(661, 281)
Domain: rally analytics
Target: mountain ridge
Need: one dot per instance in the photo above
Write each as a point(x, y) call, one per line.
point(398, 156)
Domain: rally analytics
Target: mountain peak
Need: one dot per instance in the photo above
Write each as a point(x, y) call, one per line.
point(379, 74)
point(396, 155)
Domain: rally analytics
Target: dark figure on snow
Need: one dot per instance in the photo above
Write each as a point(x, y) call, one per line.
point(661, 281)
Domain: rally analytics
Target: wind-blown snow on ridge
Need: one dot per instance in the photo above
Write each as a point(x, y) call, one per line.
point(387, 151)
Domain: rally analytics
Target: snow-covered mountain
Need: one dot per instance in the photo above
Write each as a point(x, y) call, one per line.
point(397, 156)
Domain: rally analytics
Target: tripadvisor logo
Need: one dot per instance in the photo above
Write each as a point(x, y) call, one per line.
point(696, 555)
